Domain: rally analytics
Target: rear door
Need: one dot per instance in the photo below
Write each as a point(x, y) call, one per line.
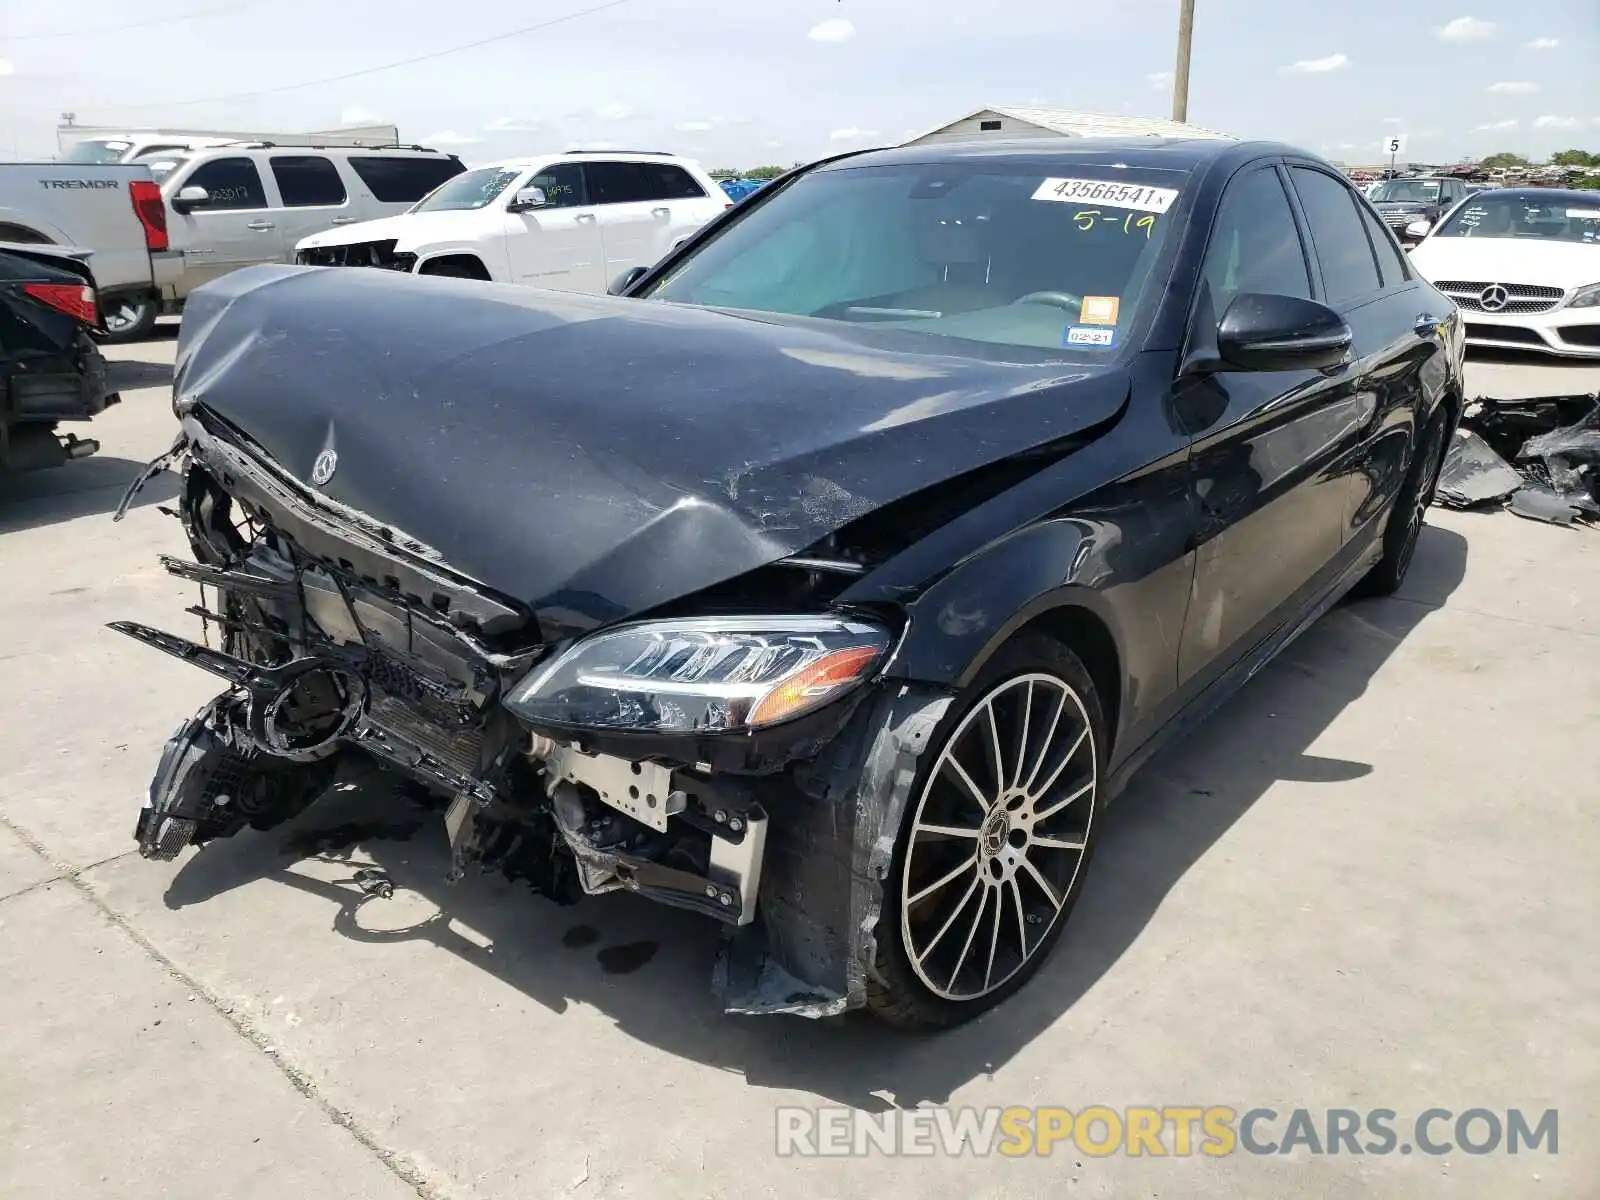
point(559, 245)
point(238, 225)
point(645, 208)
point(1266, 444)
point(313, 198)
point(1395, 321)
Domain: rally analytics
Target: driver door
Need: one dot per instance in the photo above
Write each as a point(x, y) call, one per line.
point(558, 245)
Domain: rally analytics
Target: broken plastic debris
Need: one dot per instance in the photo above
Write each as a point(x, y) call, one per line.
point(1474, 474)
point(1542, 504)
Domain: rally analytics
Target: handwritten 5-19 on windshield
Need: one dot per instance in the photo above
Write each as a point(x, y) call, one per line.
point(1108, 194)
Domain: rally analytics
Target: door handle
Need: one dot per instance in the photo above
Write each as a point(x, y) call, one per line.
point(260, 225)
point(663, 211)
point(584, 218)
point(344, 220)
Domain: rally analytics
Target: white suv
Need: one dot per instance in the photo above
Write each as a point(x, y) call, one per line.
point(569, 221)
point(250, 202)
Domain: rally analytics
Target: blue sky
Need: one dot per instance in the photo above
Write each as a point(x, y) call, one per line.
point(784, 80)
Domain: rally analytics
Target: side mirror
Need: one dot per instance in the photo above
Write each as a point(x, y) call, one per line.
point(1262, 332)
point(626, 280)
point(1419, 229)
point(190, 197)
point(528, 198)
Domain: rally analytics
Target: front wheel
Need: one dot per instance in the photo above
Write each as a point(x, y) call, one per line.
point(129, 318)
point(995, 841)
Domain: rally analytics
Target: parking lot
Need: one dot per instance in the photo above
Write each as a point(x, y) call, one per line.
point(1368, 882)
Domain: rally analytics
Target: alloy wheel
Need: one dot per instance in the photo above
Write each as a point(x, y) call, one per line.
point(998, 837)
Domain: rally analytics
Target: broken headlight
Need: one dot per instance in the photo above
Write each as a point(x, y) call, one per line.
point(705, 675)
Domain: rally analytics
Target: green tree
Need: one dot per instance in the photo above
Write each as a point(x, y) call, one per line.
point(1575, 158)
point(1504, 160)
point(722, 173)
point(764, 172)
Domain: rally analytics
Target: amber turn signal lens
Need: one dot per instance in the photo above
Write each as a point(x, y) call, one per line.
point(808, 687)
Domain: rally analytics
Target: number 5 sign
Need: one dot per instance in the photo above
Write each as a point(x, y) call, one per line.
point(1394, 145)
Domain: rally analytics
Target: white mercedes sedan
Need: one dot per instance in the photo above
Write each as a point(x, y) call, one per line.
point(1523, 265)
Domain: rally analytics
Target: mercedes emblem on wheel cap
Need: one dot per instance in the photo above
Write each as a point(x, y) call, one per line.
point(1494, 297)
point(322, 470)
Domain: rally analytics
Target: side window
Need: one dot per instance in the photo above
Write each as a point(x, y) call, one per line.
point(1391, 259)
point(396, 180)
point(563, 185)
point(307, 180)
point(668, 181)
point(232, 183)
point(1255, 246)
point(618, 182)
point(1349, 270)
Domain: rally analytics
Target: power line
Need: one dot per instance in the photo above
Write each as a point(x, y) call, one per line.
point(204, 12)
point(405, 62)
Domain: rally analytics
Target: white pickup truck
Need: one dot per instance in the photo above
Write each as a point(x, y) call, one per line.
point(114, 211)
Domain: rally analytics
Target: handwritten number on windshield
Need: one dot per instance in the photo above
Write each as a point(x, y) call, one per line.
point(1086, 219)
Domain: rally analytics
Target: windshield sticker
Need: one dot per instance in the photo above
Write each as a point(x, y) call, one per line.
point(1110, 195)
point(1583, 214)
point(1089, 335)
point(1100, 310)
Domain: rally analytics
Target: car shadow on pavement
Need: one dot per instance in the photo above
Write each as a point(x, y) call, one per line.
point(84, 488)
point(1175, 810)
point(129, 373)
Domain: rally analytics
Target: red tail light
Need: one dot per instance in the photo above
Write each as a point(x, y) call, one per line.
point(74, 299)
point(151, 211)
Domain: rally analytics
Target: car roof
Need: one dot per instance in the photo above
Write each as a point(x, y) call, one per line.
point(524, 161)
point(223, 149)
point(1178, 154)
point(1590, 197)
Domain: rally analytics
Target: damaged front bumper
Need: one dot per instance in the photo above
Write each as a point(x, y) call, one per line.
point(329, 652)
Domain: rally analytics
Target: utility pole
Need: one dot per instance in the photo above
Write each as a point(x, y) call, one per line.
point(1180, 74)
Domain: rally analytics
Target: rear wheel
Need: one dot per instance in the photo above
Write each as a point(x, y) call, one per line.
point(1406, 520)
point(129, 318)
point(995, 842)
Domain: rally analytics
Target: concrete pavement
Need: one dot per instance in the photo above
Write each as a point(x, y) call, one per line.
point(1367, 882)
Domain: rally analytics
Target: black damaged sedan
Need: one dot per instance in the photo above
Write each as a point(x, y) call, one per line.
point(830, 578)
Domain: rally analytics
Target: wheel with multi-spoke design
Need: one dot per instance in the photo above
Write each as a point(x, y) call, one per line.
point(997, 833)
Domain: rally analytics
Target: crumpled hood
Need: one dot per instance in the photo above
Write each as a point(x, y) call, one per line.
point(407, 229)
point(594, 456)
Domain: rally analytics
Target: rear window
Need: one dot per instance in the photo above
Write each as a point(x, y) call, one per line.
point(395, 180)
point(97, 150)
point(1008, 253)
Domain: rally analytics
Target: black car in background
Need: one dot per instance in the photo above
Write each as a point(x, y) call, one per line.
point(1420, 198)
point(50, 370)
point(830, 579)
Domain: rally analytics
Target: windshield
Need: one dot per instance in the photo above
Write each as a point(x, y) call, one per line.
point(1558, 219)
point(470, 189)
point(97, 151)
point(162, 163)
point(1414, 191)
point(1000, 253)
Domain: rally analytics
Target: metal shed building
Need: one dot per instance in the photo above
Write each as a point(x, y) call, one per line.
point(1032, 122)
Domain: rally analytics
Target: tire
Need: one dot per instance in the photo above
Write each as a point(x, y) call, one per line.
point(128, 319)
point(1016, 923)
point(1406, 518)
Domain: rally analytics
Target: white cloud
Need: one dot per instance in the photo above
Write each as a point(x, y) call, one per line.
point(601, 145)
point(1545, 43)
point(1466, 29)
point(513, 125)
point(7, 67)
point(1394, 121)
point(354, 115)
point(614, 111)
point(1497, 126)
point(774, 145)
point(851, 134)
point(449, 137)
point(1160, 79)
point(835, 30)
point(1553, 122)
point(1317, 66)
point(693, 126)
point(1508, 87)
